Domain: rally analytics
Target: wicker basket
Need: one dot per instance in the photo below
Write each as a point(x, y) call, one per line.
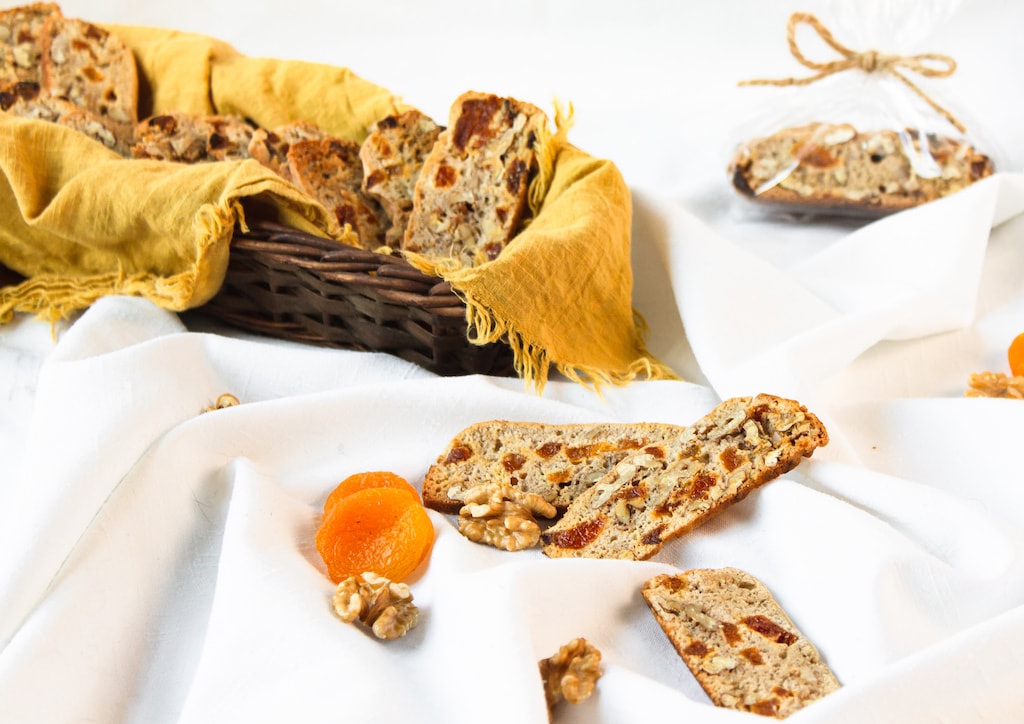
point(291, 285)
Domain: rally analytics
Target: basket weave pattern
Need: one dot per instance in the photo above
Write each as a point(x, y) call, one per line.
point(287, 284)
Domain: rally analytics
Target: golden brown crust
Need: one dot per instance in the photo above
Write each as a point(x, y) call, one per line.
point(740, 645)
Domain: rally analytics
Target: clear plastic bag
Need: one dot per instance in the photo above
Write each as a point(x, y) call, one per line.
point(860, 133)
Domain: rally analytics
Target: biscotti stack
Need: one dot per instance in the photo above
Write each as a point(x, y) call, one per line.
point(835, 168)
point(455, 195)
point(67, 71)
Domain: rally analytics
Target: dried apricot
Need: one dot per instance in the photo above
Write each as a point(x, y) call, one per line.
point(383, 530)
point(1016, 355)
point(362, 481)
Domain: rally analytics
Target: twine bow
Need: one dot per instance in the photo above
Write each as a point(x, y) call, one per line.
point(928, 65)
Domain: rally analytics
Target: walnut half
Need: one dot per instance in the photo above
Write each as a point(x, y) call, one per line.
point(572, 673)
point(385, 607)
point(502, 516)
point(995, 384)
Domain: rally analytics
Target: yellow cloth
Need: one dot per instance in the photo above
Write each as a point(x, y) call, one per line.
point(81, 222)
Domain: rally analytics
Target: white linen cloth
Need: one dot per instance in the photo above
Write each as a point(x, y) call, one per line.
point(157, 562)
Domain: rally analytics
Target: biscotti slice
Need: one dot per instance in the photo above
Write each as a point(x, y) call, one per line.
point(741, 646)
point(187, 138)
point(23, 99)
point(556, 462)
point(392, 155)
point(471, 194)
point(329, 170)
point(92, 68)
point(270, 146)
point(21, 33)
point(834, 168)
point(657, 494)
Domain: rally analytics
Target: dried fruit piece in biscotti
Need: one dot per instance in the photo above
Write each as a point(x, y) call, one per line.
point(471, 195)
point(92, 68)
point(655, 495)
point(329, 170)
point(23, 99)
point(556, 462)
point(270, 146)
point(392, 155)
point(737, 641)
point(21, 32)
point(188, 138)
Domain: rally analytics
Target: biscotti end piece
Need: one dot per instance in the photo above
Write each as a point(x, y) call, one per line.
point(392, 155)
point(21, 33)
point(738, 642)
point(834, 168)
point(471, 195)
point(660, 493)
point(329, 170)
point(188, 138)
point(92, 68)
point(556, 462)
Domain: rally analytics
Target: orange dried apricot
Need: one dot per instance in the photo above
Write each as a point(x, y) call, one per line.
point(362, 481)
point(1015, 354)
point(383, 530)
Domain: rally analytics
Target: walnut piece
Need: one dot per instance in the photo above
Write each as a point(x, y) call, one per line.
point(502, 516)
point(223, 401)
point(572, 673)
point(385, 607)
point(995, 384)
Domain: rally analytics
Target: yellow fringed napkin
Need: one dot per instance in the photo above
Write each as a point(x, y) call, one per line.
point(82, 222)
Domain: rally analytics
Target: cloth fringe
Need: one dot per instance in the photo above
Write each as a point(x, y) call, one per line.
point(533, 363)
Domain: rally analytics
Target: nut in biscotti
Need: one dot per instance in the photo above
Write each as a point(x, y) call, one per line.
point(737, 641)
point(836, 168)
point(471, 195)
point(662, 492)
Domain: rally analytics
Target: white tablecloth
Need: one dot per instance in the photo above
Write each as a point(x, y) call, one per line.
point(157, 564)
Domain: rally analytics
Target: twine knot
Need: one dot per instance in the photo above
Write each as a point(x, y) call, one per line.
point(929, 65)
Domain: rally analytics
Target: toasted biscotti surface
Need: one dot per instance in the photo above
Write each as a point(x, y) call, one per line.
point(188, 138)
point(738, 642)
point(270, 146)
point(471, 194)
point(661, 492)
point(21, 37)
point(557, 462)
point(393, 154)
point(92, 68)
point(330, 171)
point(836, 167)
